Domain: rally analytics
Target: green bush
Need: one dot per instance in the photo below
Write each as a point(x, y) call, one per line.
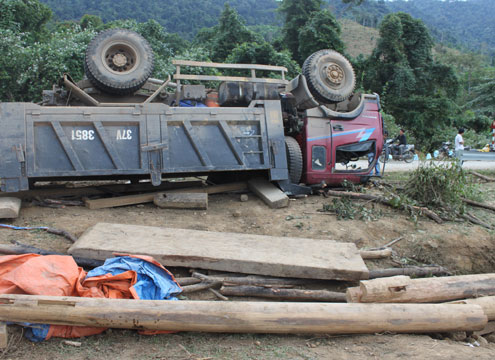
point(440, 187)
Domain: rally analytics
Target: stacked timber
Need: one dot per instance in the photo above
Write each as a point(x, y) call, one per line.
point(466, 289)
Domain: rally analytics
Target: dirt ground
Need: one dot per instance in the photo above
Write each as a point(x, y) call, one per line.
point(460, 247)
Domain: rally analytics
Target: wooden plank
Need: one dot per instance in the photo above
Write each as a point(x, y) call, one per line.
point(228, 78)
point(244, 253)
point(229, 66)
point(9, 207)
point(269, 193)
point(242, 316)
point(148, 197)
point(61, 191)
point(181, 201)
point(4, 340)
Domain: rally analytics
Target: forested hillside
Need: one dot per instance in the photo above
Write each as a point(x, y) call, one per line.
point(469, 24)
point(184, 17)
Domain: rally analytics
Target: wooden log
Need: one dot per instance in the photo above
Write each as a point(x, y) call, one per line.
point(283, 294)
point(197, 201)
point(488, 329)
point(187, 281)
point(415, 271)
point(4, 340)
point(218, 295)
point(471, 218)
point(353, 294)
point(242, 316)
point(403, 289)
point(200, 287)
point(375, 254)
point(487, 303)
point(7, 249)
point(9, 207)
point(148, 197)
point(385, 201)
point(269, 193)
point(245, 253)
point(480, 205)
point(265, 281)
point(481, 176)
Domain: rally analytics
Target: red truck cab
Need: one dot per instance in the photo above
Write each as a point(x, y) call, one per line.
point(332, 142)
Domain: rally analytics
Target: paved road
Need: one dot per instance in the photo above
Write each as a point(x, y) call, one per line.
point(396, 166)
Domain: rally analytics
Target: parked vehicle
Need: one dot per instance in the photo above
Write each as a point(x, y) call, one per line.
point(390, 151)
point(121, 124)
point(445, 152)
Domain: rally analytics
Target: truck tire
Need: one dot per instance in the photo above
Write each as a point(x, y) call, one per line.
point(118, 61)
point(329, 75)
point(294, 159)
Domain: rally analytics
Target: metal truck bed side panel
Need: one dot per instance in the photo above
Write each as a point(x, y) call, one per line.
point(154, 139)
point(12, 143)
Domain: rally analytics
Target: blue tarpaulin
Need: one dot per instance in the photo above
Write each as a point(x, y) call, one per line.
point(153, 283)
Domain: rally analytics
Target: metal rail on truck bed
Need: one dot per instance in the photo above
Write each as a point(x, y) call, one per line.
point(55, 142)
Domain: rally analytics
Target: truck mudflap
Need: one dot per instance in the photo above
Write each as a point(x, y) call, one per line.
point(145, 140)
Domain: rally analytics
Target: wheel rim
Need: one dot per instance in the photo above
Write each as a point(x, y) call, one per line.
point(332, 74)
point(120, 57)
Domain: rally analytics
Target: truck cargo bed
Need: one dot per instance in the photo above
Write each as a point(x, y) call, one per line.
point(43, 142)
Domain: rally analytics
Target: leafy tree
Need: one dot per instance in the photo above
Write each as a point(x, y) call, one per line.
point(322, 31)
point(230, 32)
point(484, 97)
point(419, 92)
point(296, 15)
point(27, 16)
point(91, 21)
point(263, 53)
point(13, 62)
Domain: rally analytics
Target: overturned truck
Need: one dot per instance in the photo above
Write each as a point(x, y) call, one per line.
point(121, 124)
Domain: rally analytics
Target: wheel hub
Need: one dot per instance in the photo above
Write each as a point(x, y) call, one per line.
point(119, 60)
point(335, 74)
point(120, 57)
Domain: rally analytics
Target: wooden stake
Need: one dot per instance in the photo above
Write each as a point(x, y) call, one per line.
point(242, 317)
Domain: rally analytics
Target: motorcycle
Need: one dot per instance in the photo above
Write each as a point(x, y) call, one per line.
point(445, 152)
point(390, 151)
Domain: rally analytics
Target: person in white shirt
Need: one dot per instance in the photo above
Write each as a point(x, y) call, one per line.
point(459, 144)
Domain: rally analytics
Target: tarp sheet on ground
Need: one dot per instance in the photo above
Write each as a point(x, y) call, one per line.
point(123, 277)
